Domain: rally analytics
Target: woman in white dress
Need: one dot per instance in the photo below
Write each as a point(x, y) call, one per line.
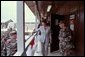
point(43, 37)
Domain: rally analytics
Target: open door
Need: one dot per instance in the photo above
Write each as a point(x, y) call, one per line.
point(55, 32)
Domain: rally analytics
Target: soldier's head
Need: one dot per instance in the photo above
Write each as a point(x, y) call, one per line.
point(62, 24)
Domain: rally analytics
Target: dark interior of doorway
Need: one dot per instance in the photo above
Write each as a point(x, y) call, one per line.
point(55, 31)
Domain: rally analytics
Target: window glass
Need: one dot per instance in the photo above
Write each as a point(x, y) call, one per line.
point(30, 22)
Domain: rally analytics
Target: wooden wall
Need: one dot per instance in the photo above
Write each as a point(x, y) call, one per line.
point(77, 8)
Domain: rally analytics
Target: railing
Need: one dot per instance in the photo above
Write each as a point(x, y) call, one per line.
point(28, 42)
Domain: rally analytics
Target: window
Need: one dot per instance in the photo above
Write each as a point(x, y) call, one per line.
point(30, 22)
point(8, 28)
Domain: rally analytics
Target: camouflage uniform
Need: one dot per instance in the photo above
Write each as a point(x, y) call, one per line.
point(8, 46)
point(65, 42)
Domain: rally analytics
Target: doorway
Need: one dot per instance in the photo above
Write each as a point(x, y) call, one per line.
point(55, 31)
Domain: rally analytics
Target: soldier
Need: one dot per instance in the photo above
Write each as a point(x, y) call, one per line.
point(65, 37)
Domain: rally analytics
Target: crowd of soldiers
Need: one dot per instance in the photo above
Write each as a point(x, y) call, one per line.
point(8, 43)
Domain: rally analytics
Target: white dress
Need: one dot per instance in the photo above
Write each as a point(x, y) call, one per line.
point(44, 38)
